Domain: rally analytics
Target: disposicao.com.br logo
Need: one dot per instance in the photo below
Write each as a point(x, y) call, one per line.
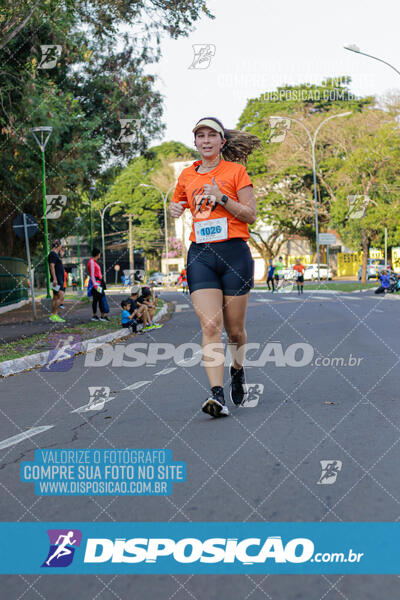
point(247, 551)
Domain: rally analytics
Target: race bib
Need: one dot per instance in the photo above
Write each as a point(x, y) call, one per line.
point(212, 230)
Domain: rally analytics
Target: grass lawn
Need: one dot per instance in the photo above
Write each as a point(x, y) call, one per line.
point(41, 342)
point(331, 285)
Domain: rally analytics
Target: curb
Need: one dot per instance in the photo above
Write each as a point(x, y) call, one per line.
point(25, 363)
point(15, 306)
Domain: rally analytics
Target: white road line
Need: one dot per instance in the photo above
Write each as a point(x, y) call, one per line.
point(16, 439)
point(183, 363)
point(165, 371)
point(135, 385)
point(377, 310)
point(90, 407)
point(264, 300)
point(348, 297)
point(180, 307)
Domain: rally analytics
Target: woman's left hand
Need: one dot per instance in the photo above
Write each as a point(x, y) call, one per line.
point(213, 192)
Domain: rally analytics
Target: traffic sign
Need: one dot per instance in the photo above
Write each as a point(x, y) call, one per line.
point(117, 267)
point(327, 239)
point(31, 225)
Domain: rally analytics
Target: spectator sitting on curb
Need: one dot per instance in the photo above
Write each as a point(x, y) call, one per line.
point(126, 319)
point(385, 283)
point(146, 299)
point(140, 313)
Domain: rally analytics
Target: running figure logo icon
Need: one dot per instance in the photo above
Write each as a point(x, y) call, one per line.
point(279, 127)
point(98, 397)
point(54, 206)
point(129, 130)
point(61, 356)
point(63, 543)
point(50, 54)
point(203, 54)
point(254, 391)
point(330, 471)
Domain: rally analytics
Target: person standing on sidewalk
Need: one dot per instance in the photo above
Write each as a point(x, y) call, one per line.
point(96, 288)
point(57, 279)
point(270, 275)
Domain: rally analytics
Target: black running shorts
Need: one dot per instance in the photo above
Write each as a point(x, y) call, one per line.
point(226, 266)
point(300, 278)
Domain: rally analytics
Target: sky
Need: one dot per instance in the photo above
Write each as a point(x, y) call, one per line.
point(260, 44)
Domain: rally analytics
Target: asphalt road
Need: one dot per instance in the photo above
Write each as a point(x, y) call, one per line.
point(260, 464)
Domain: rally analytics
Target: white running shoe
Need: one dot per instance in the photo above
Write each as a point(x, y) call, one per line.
point(214, 407)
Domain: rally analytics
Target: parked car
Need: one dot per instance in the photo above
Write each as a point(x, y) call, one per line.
point(156, 279)
point(172, 278)
point(311, 272)
point(288, 272)
point(375, 266)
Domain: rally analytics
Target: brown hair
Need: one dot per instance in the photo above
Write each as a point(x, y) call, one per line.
point(239, 144)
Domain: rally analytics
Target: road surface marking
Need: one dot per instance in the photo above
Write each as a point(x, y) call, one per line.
point(180, 307)
point(135, 385)
point(89, 407)
point(165, 371)
point(187, 361)
point(16, 439)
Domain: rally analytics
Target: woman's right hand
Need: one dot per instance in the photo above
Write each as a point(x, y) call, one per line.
point(176, 209)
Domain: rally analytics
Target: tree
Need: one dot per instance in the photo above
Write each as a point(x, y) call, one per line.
point(371, 171)
point(282, 172)
point(97, 81)
point(146, 203)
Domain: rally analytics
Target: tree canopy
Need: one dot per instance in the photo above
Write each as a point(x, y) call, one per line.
point(97, 84)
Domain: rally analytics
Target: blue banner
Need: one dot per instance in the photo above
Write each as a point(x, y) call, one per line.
point(100, 472)
point(223, 548)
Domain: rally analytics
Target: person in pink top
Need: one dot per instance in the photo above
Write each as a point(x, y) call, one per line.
point(97, 285)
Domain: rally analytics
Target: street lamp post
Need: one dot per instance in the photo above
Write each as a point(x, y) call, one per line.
point(356, 49)
point(313, 140)
point(165, 198)
point(78, 222)
point(44, 134)
point(102, 212)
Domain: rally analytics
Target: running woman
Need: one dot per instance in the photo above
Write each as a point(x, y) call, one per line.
point(220, 196)
point(299, 268)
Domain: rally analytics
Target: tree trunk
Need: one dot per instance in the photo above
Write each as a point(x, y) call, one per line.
point(365, 248)
point(7, 238)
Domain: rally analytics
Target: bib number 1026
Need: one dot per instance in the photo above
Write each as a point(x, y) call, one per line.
point(210, 230)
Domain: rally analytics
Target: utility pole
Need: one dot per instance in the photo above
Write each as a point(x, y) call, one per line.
point(130, 240)
point(130, 243)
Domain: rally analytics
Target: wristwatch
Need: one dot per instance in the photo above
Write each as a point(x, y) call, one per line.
point(224, 199)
